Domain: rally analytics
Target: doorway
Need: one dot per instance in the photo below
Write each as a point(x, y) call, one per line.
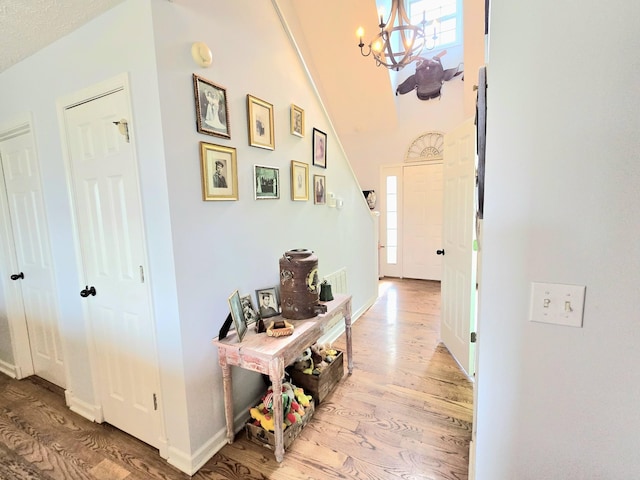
point(411, 221)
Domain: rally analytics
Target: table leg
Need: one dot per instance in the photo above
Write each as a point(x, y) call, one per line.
point(276, 372)
point(228, 396)
point(347, 329)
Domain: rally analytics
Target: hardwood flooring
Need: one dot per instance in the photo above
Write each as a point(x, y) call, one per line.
point(405, 413)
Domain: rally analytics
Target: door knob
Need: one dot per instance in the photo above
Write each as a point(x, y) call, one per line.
point(440, 252)
point(17, 276)
point(88, 291)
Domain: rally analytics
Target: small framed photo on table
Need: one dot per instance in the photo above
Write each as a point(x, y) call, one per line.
point(235, 306)
point(268, 302)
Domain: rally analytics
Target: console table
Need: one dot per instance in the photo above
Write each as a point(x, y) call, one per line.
point(270, 356)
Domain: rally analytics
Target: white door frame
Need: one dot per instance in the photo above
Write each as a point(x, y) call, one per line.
point(119, 82)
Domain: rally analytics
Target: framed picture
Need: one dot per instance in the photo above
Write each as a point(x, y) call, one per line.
point(249, 311)
point(268, 302)
point(319, 189)
point(299, 181)
point(260, 115)
point(266, 182)
point(219, 172)
point(319, 148)
point(236, 313)
point(212, 110)
point(297, 121)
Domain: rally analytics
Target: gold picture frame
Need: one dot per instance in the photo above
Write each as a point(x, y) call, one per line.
point(297, 121)
point(260, 119)
point(218, 166)
point(299, 181)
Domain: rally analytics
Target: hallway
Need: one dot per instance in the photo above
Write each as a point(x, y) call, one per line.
point(405, 413)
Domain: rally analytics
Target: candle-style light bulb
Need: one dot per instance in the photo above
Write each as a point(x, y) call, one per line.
point(360, 33)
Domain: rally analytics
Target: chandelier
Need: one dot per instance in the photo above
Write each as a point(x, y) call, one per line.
point(399, 42)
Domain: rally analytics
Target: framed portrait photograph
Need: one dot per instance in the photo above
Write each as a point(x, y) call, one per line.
point(266, 182)
point(212, 109)
point(319, 148)
point(219, 172)
point(236, 313)
point(261, 129)
point(249, 311)
point(319, 189)
point(299, 181)
point(268, 302)
point(297, 121)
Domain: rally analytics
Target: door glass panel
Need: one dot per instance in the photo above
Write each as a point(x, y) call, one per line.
point(392, 219)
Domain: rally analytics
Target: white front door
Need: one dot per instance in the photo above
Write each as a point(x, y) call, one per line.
point(422, 221)
point(459, 274)
point(110, 231)
point(28, 227)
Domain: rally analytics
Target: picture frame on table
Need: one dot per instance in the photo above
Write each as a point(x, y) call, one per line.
point(319, 148)
point(249, 311)
point(297, 121)
point(218, 167)
point(235, 305)
point(266, 182)
point(212, 109)
point(261, 127)
point(320, 189)
point(299, 181)
point(268, 302)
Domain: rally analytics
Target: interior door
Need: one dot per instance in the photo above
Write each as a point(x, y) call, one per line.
point(34, 272)
point(422, 221)
point(459, 273)
point(110, 231)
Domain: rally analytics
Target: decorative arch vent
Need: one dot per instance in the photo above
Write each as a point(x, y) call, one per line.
point(428, 147)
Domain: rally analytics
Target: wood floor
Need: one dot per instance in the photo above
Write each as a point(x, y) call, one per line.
point(405, 413)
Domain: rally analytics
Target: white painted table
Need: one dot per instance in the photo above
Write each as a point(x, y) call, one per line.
point(270, 356)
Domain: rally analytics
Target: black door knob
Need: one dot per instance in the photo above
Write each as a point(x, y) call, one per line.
point(88, 291)
point(17, 276)
point(440, 252)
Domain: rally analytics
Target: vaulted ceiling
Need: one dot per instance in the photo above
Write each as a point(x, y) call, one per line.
point(324, 33)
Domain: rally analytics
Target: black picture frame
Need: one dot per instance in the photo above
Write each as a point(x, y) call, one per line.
point(212, 109)
point(319, 148)
point(268, 302)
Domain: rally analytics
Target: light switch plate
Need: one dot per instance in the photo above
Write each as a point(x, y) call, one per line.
point(557, 303)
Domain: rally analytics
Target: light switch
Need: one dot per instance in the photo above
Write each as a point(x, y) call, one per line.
point(557, 303)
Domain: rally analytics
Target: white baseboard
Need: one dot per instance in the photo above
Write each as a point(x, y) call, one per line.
point(8, 369)
point(82, 408)
point(338, 329)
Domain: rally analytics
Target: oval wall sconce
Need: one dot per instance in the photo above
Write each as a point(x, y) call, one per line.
point(201, 54)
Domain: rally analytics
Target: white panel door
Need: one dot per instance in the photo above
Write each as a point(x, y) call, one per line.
point(458, 280)
point(33, 254)
point(110, 230)
point(422, 221)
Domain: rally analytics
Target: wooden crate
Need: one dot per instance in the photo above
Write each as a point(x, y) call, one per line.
point(259, 435)
point(319, 386)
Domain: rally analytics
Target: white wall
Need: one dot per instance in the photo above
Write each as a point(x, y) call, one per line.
point(562, 176)
point(199, 252)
